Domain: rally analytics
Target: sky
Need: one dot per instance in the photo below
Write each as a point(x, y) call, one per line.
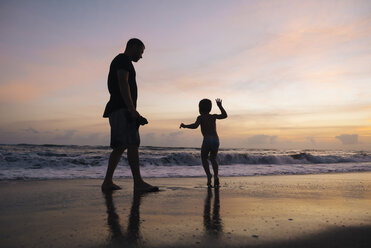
point(292, 74)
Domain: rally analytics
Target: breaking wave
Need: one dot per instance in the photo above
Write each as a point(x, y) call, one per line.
point(25, 161)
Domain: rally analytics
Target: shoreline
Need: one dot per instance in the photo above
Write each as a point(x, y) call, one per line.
point(328, 210)
point(183, 177)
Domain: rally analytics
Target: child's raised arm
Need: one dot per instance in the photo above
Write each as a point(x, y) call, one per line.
point(223, 115)
point(191, 126)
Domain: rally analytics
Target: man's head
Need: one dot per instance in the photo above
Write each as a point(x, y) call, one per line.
point(204, 106)
point(134, 49)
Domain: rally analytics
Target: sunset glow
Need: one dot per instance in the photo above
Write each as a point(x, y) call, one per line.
point(292, 74)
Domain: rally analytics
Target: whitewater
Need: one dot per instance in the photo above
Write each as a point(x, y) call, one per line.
point(26, 162)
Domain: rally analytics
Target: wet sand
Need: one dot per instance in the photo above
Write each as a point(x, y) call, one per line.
point(332, 210)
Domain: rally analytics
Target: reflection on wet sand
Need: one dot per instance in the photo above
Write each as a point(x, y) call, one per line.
point(213, 225)
point(132, 235)
point(331, 210)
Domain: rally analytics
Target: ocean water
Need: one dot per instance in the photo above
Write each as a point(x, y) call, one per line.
point(25, 162)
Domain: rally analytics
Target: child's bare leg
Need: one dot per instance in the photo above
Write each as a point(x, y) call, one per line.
point(215, 166)
point(205, 164)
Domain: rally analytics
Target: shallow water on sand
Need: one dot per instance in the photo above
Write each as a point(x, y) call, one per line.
point(270, 211)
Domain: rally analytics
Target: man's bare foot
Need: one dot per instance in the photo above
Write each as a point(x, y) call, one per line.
point(110, 186)
point(145, 187)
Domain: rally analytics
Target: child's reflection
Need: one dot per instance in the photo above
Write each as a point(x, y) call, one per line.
point(132, 235)
point(213, 225)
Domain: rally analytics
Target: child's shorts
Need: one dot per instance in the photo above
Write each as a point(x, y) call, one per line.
point(124, 132)
point(211, 143)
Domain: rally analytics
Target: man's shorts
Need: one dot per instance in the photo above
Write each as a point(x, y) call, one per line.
point(124, 132)
point(211, 144)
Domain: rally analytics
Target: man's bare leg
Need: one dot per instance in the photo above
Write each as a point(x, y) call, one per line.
point(112, 164)
point(139, 184)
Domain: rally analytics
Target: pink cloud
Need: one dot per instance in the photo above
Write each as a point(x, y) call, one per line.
point(55, 70)
point(348, 139)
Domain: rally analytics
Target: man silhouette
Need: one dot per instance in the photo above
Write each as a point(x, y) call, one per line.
point(123, 117)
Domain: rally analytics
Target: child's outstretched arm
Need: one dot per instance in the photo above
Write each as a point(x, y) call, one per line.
point(223, 115)
point(191, 126)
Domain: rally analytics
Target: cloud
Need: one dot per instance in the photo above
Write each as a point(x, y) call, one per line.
point(31, 130)
point(67, 135)
point(311, 140)
point(179, 138)
point(174, 134)
point(261, 139)
point(348, 139)
point(66, 69)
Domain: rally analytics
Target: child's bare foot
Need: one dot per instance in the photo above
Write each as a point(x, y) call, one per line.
point(110, 186)
point(209, 181)
point(216, 181)
point(145, 187)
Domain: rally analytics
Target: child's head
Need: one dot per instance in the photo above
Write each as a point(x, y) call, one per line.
point(204, 106)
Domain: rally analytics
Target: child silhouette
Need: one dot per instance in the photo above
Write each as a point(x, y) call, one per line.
point(210, 144)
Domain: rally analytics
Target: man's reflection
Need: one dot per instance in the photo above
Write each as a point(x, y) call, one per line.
point(132, 235)
point(213, 225)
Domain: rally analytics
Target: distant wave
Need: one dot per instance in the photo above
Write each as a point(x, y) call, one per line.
point(298, 158)
point(190, 159)
point(24, 155)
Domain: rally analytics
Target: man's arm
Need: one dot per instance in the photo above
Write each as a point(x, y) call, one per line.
point(123, 79)
point(191, 126)
point(223, 115)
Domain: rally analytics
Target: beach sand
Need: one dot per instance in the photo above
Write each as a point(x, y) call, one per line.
point(328, 210)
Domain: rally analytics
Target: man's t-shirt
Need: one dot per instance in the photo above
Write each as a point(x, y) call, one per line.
point(116, 101)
